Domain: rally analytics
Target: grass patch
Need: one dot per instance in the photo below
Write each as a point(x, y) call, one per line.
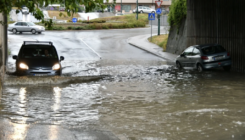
point(127, 18)
point(161, 41)
point(125, 21)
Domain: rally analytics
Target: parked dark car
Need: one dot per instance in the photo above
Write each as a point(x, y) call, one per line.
point(205, 56)
point(38, 58)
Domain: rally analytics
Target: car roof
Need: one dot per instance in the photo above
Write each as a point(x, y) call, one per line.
point(38, 43)
point(205, 45)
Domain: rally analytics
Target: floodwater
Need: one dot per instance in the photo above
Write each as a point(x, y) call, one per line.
point(146, 100)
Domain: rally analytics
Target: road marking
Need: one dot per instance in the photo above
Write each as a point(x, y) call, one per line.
point(91, 48)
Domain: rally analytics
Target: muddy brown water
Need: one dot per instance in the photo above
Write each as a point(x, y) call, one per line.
point(138, 102)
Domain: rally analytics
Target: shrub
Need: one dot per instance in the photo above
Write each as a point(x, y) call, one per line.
point(92, 26)
point(177, 12)
point(69, 27)
point(78, 28)
point(105, 27)
point(58, 28)
point(98, 26)
point(94, 21)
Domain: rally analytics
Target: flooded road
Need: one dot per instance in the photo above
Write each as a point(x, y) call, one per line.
point(138, 102)
point(143, 98)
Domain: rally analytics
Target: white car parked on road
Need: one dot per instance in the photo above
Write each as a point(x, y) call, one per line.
point(144, 9)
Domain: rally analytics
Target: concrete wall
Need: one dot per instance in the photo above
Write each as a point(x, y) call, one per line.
point(177, 42)
point(163, 21)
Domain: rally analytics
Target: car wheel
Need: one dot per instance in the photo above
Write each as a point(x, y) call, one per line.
point(227, 68)
point(20, 32)
point(141, 12)
point(178, 65)
point(39, 32)
point(199, 68)
point(33, 31)
point(14, 31)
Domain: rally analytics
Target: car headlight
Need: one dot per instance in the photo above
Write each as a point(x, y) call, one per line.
point(56, 67)
point(23, 66)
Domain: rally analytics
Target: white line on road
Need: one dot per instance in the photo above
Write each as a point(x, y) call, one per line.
point(91, 48)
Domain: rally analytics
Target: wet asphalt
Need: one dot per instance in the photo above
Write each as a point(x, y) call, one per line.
point(140, 96)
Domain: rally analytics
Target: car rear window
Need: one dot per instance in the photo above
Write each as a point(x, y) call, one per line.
point(213, 50)
point(37, 51)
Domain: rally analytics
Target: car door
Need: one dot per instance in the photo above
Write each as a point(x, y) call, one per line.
point(17, 26)
point(148, 10)
point(144, 9)
point(195, 58)
point(25, 27)
point(185, 57)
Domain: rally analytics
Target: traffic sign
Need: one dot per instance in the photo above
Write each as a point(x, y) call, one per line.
point(158, 3)
point(74, 20)
point(159, 11)
point(151, 16)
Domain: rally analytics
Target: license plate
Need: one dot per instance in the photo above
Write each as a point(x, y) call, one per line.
point(218, 57)
point(40, 74)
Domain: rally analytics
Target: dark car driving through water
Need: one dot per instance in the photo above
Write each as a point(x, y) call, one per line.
point(38, 58)
point(205, 56)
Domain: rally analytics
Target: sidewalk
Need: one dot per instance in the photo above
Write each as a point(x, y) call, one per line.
point(142, 43)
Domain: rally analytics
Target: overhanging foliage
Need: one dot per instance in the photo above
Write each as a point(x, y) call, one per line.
point(177, 12)
point(72, 6)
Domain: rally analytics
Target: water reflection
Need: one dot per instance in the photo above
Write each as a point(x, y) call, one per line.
point(57, 96)
point(53, 132)
point(20, 129)
point(74, 104)
point(19, 132)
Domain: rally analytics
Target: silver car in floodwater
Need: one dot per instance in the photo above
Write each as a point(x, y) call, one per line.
point(23, 26)
point(205, 56)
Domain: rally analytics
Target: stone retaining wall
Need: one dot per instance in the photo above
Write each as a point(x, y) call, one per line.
point(177, 40)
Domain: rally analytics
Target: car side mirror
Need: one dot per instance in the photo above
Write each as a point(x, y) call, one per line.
point(14, 57)
point(62, 58)
point(182, 55)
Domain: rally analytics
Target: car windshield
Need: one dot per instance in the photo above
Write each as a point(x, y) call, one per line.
point(31, 24)
point(213, 50)
point(37, 51)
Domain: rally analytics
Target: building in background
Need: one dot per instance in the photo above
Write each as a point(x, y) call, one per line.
point(129, 5)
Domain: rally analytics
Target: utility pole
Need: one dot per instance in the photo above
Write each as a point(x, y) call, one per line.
point(137, 10)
